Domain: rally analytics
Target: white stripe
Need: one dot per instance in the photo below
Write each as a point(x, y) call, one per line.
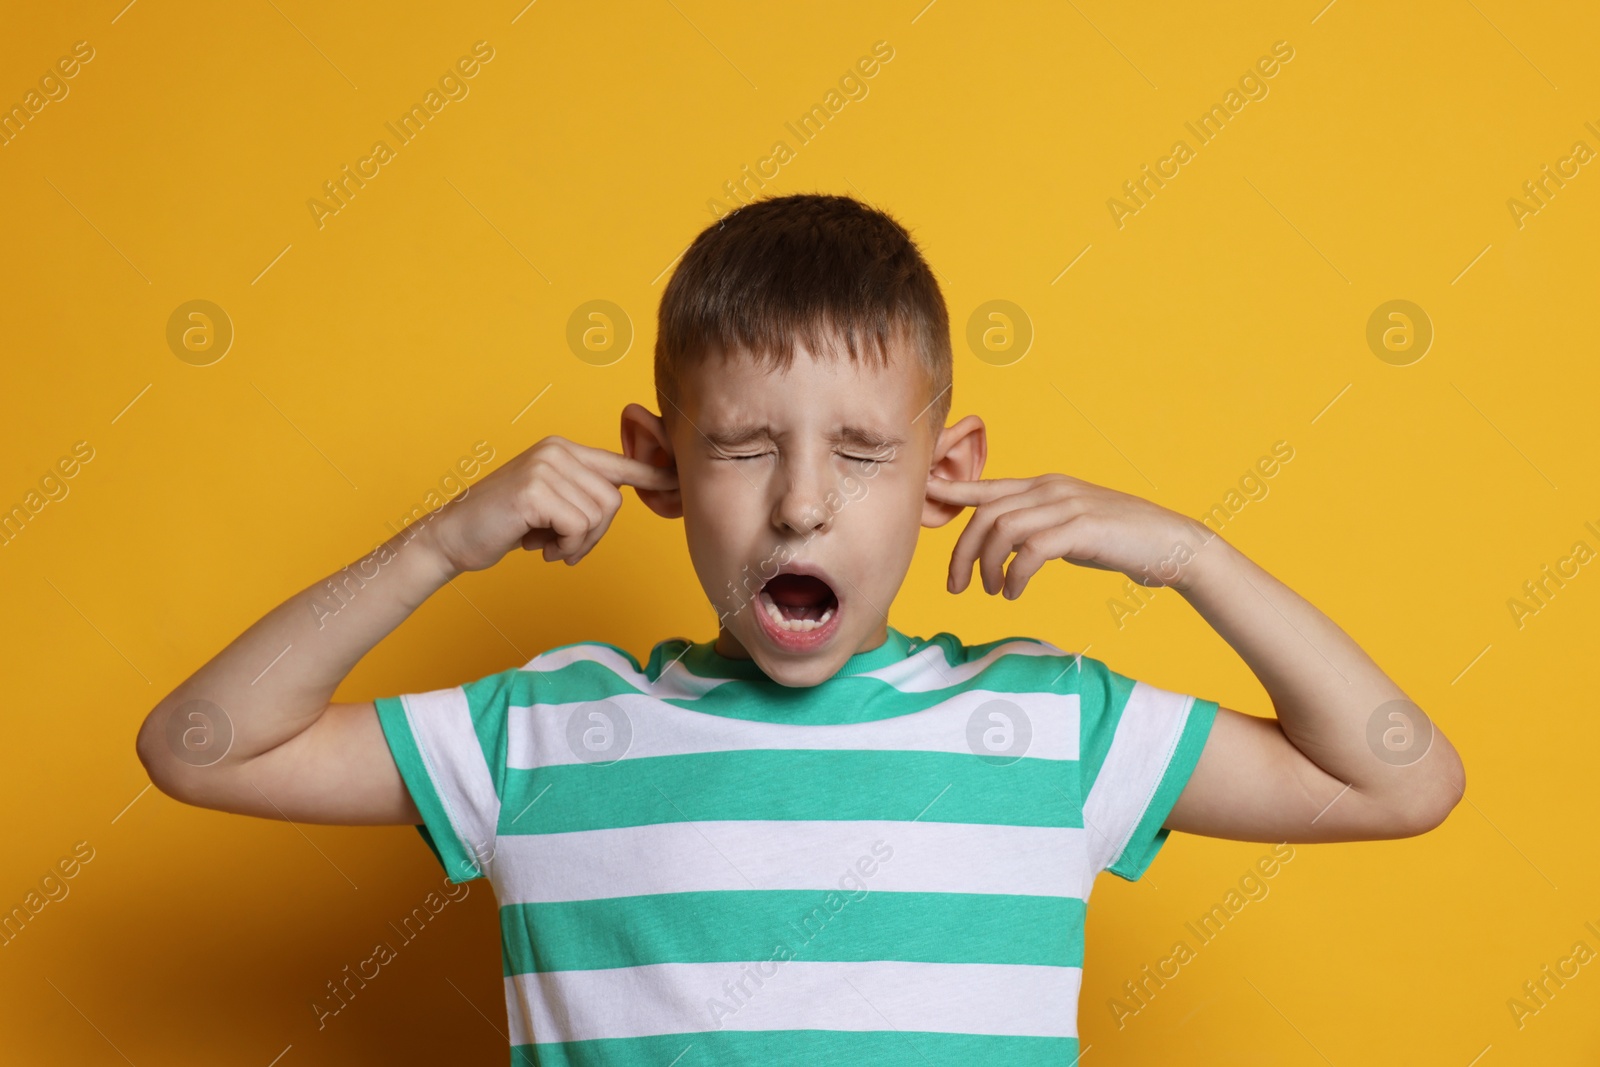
point(928, 669)
point(538, 735)
point(441, 723)
point(1146, 738)
point(909, 857)
point(674, 998)
point(675, 683)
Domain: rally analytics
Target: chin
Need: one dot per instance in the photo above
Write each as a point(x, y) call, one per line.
point(801, 673)
point(799, 629)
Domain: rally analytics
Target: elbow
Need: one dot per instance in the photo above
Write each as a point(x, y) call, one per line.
point(159, 763)
point(186, 747)
point(147, 745)
point(1432, 801)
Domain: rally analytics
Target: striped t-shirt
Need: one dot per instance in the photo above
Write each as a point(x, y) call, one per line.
point(698, 866)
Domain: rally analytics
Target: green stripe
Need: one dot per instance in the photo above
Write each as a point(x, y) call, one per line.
point(453, 856)
point(1103, 697)
point(1150, 835)
point(792, 784)
point(584, 680)
point(860, 699)
point(740, 926)
point(853, 699)
point(487, 698)
point(804, 1048)
point(955, 652)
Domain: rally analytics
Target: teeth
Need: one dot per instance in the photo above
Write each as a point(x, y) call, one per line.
point(772, 608)
point(792, 625)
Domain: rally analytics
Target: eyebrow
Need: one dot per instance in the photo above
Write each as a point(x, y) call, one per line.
point(858, 436)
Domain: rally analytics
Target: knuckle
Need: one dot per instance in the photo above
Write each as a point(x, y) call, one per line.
point(547, 448)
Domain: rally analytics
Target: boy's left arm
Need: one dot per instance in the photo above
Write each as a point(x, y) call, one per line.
point(1349, 756)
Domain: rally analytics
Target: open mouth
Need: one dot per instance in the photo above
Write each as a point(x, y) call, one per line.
point(798, 611)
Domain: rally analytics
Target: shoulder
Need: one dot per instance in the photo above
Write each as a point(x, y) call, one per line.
point(590, 670)
point(1016, 663)
point(600, 653)
point(582, 670)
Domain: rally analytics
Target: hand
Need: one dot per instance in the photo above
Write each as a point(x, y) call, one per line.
point(557, 495)
point(1055, 516)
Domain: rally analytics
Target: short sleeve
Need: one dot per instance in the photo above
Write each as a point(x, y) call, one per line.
point(1137, 747)
point(450, 747)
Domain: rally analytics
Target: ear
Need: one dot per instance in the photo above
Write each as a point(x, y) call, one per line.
point(645, 438)
point(958, 456)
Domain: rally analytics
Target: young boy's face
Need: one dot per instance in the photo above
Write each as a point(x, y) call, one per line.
point(802, 492)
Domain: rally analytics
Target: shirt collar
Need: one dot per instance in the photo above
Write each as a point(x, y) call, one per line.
point(702, 659)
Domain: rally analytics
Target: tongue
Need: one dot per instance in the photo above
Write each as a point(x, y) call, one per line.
point(798, 592)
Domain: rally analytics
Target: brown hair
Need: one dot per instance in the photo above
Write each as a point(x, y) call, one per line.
point(809, 267)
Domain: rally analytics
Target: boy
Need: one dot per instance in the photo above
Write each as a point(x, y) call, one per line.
point(813, 837)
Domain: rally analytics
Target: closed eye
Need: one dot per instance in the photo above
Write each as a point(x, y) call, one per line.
point(844, 455)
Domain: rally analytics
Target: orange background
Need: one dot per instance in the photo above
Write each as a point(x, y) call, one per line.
point(370, 354)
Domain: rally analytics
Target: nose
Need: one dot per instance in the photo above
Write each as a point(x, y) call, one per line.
point(801, 506)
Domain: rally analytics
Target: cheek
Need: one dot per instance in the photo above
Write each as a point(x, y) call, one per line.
point(723, 518)
point(720, 497)
point(887, 498)
point(881, 524)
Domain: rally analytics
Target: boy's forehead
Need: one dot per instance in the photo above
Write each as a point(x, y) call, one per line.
point(740, 387)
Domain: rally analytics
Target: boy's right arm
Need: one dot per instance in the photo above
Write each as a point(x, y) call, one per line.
point(254, 730)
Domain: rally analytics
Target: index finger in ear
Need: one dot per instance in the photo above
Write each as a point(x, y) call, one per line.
point(642, 475)
point(971, 494)
point(623, 470)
